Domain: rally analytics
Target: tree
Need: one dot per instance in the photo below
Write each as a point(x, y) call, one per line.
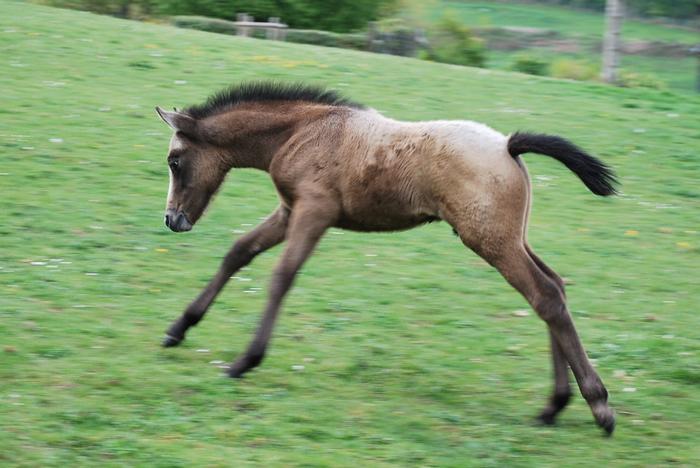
point(611, 42)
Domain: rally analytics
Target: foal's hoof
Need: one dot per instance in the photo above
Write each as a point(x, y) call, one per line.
point(236, 373)
point(546, 418)
point(605, 417)
point(608, 425)
point(237, 369)
point(243, 365)
point(169, 341)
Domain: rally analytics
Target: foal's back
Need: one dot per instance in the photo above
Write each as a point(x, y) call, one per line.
point(392, 175)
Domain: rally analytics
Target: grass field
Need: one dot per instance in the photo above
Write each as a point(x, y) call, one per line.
point(586, 27)
point(411, 352)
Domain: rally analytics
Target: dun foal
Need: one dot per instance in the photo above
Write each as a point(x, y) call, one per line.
point(336, 163)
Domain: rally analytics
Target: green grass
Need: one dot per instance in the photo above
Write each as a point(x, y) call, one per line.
point(411, 352)
point(586, 27)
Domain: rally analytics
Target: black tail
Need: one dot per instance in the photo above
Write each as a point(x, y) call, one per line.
point(598, 177)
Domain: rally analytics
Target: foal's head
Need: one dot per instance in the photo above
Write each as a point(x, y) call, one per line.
point(197, 169)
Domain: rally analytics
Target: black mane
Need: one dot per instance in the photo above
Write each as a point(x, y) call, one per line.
point(258, 91)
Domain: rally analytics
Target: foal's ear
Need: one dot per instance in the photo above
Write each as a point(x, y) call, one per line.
point(178, 121)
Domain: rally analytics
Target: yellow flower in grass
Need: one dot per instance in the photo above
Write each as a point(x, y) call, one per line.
point(631, 233)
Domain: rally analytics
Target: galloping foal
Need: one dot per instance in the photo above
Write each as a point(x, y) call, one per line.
point(337, 163)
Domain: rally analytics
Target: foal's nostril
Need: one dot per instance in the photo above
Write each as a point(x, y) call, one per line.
point(177, 221)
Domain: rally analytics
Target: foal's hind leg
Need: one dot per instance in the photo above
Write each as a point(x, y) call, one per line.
point(551, 274)
point(266, 235)
point(544, 295)
point(562, 389)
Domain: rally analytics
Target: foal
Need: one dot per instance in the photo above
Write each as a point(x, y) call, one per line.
point(336, 163)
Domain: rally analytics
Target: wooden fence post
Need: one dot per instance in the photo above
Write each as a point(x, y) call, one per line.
point(243, 30)
point(271, 33)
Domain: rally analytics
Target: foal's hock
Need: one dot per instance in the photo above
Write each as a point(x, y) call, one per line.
point(336, 163)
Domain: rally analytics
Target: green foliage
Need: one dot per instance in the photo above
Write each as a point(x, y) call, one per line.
point(530, 64)
point(224, 9)
point(632, 79)
point(571, 69)
point(340, 16)
point(452, 42)
point(680, 9)
point(123, 8)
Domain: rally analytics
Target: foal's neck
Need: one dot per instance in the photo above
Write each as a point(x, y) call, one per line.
point(252, 134)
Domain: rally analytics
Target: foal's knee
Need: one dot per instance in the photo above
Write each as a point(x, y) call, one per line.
point(242, 253)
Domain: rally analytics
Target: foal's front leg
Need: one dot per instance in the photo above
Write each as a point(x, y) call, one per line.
point(265, 236)
point(309, 220)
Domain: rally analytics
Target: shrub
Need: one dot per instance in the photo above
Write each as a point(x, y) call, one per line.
point(203, 23)
point(640, 80)
point(328, 39)
point(396, 37)
point(531, 65)
point(574, 70)
point(452, 42)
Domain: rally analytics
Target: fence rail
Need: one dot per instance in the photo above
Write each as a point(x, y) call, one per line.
point(274, 29)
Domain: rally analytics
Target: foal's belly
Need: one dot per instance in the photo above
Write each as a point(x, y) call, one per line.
point(383, 225)
point(376, 214)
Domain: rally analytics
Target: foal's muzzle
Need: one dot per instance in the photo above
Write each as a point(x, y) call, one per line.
point(177, 221)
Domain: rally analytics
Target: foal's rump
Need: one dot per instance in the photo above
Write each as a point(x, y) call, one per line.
point(485, 191)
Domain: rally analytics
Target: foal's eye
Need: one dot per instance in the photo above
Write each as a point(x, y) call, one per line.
point(174, 165)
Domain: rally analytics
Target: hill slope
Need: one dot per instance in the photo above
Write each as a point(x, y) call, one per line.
point(410, 349)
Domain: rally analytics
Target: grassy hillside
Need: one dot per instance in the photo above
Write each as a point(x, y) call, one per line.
point(411, 351)
point(585, 27)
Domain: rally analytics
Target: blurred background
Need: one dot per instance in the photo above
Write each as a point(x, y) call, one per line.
point(559, 38)
point(392, 349)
